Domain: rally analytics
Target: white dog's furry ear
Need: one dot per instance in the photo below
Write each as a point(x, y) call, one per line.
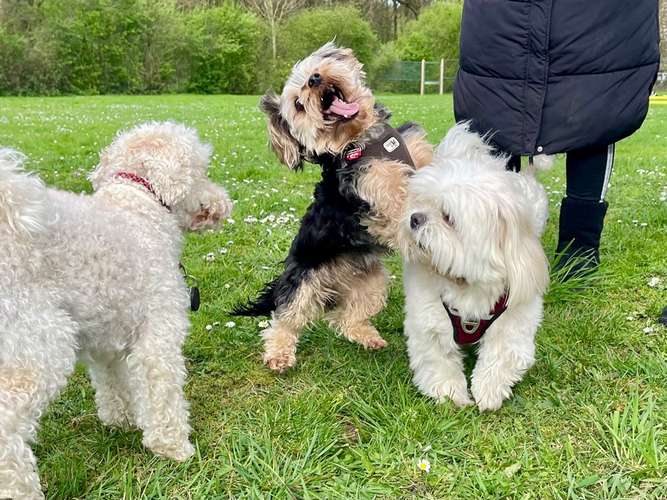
point(525, 262)
point(283, 143)
point(463, 144)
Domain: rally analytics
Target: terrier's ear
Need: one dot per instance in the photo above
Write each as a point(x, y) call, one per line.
point(283, 143)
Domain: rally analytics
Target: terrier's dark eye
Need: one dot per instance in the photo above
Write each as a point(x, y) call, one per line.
point(447, 220)
point(299, 107)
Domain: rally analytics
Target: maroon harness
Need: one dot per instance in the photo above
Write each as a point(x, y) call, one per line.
point(468, 332)
point(137, 179)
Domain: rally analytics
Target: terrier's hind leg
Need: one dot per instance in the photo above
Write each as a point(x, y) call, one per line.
point(37, 353)
point(306, 304)
point(363, 295)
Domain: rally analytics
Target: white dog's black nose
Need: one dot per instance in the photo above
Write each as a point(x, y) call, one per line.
point(416, 220)
point(315, 80)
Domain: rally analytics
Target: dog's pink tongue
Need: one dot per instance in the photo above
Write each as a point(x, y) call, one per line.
point(342, 108)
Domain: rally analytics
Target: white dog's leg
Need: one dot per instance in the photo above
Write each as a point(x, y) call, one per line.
point(109, 375)
point(19, 408)
point(157, 375)
point(36, 356)
point(506, 352)
point(435, 359)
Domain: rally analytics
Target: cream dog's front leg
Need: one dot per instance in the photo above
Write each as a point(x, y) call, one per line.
point(506, 352)
point(435, 359)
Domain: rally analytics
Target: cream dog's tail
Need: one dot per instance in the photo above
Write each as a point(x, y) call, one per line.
point(540, 162)
point(22, 197)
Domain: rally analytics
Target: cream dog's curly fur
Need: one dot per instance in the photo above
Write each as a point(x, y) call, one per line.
point(471, 236)
point(96, 278)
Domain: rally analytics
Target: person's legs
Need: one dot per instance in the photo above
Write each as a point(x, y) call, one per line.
point(514, 163)
point(663, 317)
point(583, 209)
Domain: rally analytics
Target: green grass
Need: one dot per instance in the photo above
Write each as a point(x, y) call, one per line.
point(588, 421)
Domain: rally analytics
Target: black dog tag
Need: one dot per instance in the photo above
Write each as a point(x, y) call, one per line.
point(194, 299)
point(194, 290)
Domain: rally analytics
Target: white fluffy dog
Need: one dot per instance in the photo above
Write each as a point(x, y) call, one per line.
point(97, 278)
point(475, 271)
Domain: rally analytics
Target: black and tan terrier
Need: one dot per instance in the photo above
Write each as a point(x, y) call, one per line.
point(327, 116)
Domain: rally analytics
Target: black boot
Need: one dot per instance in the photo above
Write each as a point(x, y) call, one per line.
point(663, 318)
point(580, 227)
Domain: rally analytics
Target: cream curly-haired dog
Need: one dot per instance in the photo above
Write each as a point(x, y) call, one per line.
point(96, 278)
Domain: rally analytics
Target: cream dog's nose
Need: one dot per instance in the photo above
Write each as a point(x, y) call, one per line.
point(416, 220)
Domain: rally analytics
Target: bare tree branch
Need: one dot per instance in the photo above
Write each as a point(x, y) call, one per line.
point(274, 12)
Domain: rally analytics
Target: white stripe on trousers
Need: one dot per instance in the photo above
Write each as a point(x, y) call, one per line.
point(607, 171)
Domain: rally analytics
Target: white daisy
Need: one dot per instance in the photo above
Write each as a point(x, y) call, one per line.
point(424, 465)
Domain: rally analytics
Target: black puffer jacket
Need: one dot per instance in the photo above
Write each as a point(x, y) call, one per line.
point(549, 76)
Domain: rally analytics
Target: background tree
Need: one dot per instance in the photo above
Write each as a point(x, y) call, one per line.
point(274, 12)
point(236, 46)
point(434, 35)
point(224, 43)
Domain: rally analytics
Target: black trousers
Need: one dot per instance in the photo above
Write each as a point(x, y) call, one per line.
point(587, 172)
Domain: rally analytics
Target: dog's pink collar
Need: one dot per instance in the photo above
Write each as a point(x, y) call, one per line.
point(468, 332)
point(137, 179)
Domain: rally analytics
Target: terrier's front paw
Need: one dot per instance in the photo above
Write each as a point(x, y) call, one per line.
point(373, 343)
point(490, 397)
point(366, 336)
point(454, 389)
point(279, 362)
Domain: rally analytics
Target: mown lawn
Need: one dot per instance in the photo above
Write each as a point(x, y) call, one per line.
point(588, 421)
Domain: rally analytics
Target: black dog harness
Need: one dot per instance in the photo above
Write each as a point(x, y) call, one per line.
point(467, 332)
point(389, 145)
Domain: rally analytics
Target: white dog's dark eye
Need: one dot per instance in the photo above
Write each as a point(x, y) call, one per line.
point(447, 220)
point(297, 104)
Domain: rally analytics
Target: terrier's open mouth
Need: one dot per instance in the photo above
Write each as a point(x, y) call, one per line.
point(334, 104)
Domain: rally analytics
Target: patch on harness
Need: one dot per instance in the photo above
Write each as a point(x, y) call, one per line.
point(391, 144)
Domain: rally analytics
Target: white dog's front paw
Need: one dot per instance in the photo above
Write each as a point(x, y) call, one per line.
point(490, 396)
point(454, 389)
point(174, 451)
point(183, 452)
point(115, 417)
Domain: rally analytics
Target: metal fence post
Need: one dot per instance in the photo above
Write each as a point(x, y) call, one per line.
point(423, 77)
point(442, 76)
